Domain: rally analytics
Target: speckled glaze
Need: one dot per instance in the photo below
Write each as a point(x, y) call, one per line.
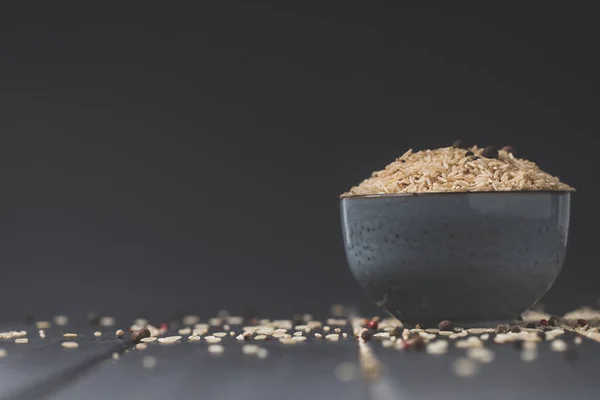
point(471, 258)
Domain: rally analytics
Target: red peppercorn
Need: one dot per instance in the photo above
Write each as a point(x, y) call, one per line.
point(373, 324)
point(164, 326)
point(582, 322)
point(544, 322)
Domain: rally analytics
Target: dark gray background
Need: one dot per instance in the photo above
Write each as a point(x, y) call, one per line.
point(193, 160)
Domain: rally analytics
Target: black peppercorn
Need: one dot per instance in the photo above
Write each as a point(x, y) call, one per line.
point(445, 325)
point(501, 329)
point(247, 335)
point(366, 335)
point(515, 329)
point(530, 325)
point(552, 321)
point(140, 334)
point(490, 152)
point(469, 153)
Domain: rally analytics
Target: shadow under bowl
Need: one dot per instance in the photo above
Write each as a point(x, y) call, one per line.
point(471, 258)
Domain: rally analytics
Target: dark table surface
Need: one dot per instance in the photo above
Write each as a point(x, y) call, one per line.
point(104, 366)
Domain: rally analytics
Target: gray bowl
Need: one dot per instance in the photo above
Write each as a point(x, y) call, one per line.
point(472, 258)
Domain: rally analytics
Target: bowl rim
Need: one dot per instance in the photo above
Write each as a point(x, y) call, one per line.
point(399, 195)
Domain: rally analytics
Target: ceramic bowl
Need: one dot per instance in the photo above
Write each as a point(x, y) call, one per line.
point(471, 258)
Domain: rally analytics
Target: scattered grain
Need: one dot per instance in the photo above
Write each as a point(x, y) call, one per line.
point(345, 371)
point(464, 368)
point(107, 321)
point(437, 347)
point(480, 354)
point(558, 345)
point(334, 337)
point(262, 353)
point(61, 320)
point(170, 339)
point(149, 362)
point(184, 331)
point(216, 349)
point(43, 325)
point(190, 319)
point(70, 345)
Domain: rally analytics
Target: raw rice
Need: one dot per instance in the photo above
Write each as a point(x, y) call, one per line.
point(449, 169)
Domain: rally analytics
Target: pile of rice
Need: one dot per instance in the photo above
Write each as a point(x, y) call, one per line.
point(450, 169)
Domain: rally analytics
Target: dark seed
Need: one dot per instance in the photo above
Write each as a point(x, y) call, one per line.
point(490, 152)
point(445, 325)
point(397, 332)
point(469, 153)
point(515, 329)
point(457, 143)
point(402, 161)
point(544, 322)
point(552, 321)
point(366, 335)
point(418, 326)
point(530, 325)
point(247, 335)
point(501, 329)
point(140, 334)
point(510, 149)
point(582, 322)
